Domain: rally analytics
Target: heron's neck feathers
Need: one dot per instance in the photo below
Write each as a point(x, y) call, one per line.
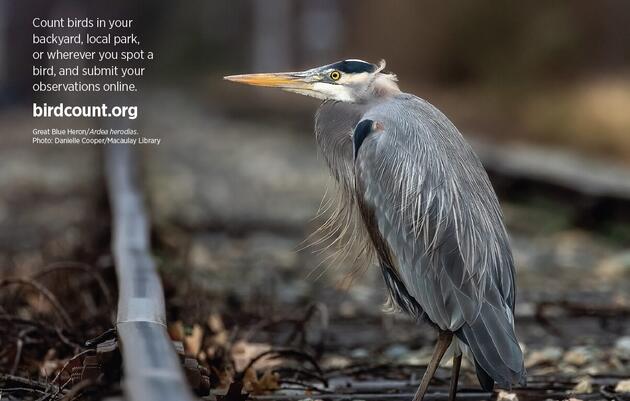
point(385, 85)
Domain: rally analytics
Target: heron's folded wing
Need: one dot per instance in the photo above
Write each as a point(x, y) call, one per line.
point(443, 226)
point(438, 213)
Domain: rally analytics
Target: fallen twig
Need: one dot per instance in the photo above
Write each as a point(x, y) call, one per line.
point(278, 353)
point(302, 372)
point(65, 318)
point(576, 309)
point(27, 382)
point(56, 330)
point(76, 390)
point(68, 362)
point(80, 266)
point(18, 355)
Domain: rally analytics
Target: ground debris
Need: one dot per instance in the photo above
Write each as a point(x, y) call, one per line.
point(269, 381)
point(544, 356)
point(47, 319)
point(623, 386)
point(287, 352)
point(584, 385)
point(234, 393)
point(506, 396)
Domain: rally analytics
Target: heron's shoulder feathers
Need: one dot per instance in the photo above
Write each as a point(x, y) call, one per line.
point(434, 203)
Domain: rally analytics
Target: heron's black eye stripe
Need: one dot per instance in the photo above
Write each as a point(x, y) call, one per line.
point(363, 129)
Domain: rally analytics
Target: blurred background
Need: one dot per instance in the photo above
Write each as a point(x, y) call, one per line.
point(541, 89)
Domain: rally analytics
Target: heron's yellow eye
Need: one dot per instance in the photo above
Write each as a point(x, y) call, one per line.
point(335, 75)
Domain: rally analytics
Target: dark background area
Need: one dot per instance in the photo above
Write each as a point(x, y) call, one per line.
point(549, 72)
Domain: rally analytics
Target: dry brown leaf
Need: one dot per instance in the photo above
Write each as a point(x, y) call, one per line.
point(50, 363)
point(243, 352)
point(270, 381)
point(547, 355)
point(217, 328)
point(577, 356)
point(176, 331)
point(193, 342)
point(506, 396)
point(623, 386)
point(221, 339)
point(249, 377)
point(584, 385)
point(215, 323)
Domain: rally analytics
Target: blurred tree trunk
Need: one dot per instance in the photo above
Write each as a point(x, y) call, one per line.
point(4, 54)
point(617, 18)
point(271, 35)
point(321, 31)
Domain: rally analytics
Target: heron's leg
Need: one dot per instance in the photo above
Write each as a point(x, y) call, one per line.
point(452, 390)
point(443, 341)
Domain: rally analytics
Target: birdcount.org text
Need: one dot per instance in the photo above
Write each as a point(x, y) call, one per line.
point(103, 110)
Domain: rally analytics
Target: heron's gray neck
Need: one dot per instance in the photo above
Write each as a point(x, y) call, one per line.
point(334, 125)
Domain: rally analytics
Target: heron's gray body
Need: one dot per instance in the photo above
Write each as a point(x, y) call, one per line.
point(424, 205)
point(434, 220)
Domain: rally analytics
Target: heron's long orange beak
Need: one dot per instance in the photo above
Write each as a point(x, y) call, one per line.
point(285, 80)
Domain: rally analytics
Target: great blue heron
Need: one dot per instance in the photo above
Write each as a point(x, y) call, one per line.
point(429, 212)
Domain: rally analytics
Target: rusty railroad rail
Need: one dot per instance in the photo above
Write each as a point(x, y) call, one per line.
point(152, 370)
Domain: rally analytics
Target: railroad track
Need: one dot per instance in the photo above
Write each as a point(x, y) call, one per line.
point(151, 366)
